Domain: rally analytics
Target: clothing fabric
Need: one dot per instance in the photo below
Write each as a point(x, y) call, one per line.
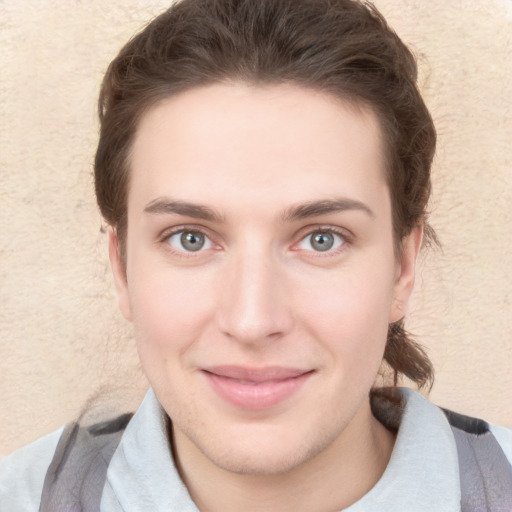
point(422, 474)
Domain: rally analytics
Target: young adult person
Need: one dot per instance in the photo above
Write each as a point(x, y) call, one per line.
point(265, 171)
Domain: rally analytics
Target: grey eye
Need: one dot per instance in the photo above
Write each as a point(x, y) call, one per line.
point(321, 241)
point(192, 241)
point(189, 241)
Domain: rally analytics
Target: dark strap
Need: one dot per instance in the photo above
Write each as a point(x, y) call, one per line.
point(76, 476)
point(485, 472)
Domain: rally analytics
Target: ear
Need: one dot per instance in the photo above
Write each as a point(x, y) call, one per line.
point(406, 269)
point(119, 272)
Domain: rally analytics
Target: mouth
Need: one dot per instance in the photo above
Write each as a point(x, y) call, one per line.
point(256, 388)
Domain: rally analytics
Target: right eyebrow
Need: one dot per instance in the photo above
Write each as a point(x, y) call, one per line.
point(165, 206)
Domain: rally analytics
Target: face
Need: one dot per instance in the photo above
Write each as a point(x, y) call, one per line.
point(260, 271)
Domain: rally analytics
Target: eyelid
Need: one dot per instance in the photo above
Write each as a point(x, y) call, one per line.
point(167, 232)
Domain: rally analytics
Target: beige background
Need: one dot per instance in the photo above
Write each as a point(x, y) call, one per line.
point(61, 337)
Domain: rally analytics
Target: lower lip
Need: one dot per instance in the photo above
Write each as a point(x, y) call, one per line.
point(256, 396)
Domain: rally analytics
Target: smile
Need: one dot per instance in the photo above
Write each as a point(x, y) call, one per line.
point(256, 389)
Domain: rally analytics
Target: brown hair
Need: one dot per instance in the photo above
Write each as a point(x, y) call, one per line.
point(342, 47)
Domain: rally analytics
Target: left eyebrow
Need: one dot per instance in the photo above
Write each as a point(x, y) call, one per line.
point(323, 207)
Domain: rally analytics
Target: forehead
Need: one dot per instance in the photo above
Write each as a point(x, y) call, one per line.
point(281, 142)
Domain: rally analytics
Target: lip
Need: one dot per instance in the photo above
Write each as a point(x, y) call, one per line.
point(256, 388)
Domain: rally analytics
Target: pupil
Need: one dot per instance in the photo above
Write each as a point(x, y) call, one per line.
point(192, 241)
point(322, 241)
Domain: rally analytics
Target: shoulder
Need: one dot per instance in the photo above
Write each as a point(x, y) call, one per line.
point(22, 474)
point(477, 429)
point(446, 455)
point(52, 469)
point(504, 437)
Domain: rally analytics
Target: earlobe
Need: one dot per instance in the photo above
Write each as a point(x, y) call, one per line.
point(119, 272)
point(404, 284)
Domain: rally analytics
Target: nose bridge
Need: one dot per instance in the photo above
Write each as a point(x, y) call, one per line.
point(254, 306)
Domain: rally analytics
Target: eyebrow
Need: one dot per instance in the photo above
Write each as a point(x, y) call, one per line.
point(323, 207)
point(164, 206)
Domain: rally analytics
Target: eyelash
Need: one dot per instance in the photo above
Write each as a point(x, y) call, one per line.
point(305, 233)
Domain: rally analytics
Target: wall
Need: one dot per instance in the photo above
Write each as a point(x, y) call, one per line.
point(61, 337)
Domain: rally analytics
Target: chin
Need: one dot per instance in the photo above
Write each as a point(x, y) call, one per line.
point(266, 453)
point(260, 462)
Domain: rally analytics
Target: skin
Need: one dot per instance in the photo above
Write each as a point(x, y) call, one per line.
point(257, 170)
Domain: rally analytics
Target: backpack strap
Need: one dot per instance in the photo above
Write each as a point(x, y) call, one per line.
point(485, 472)
point(76, 476)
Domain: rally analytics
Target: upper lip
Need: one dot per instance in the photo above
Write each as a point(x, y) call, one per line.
point(264, 374)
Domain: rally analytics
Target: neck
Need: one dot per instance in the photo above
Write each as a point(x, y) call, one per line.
point(334, 479)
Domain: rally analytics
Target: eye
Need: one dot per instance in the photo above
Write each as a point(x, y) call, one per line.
point(189, 241)
point(321, 241)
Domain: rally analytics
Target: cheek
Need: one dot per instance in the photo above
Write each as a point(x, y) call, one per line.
point(169, 310)
point(349, 312)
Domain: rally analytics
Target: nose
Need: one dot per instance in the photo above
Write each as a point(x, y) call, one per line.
point(254, 308)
